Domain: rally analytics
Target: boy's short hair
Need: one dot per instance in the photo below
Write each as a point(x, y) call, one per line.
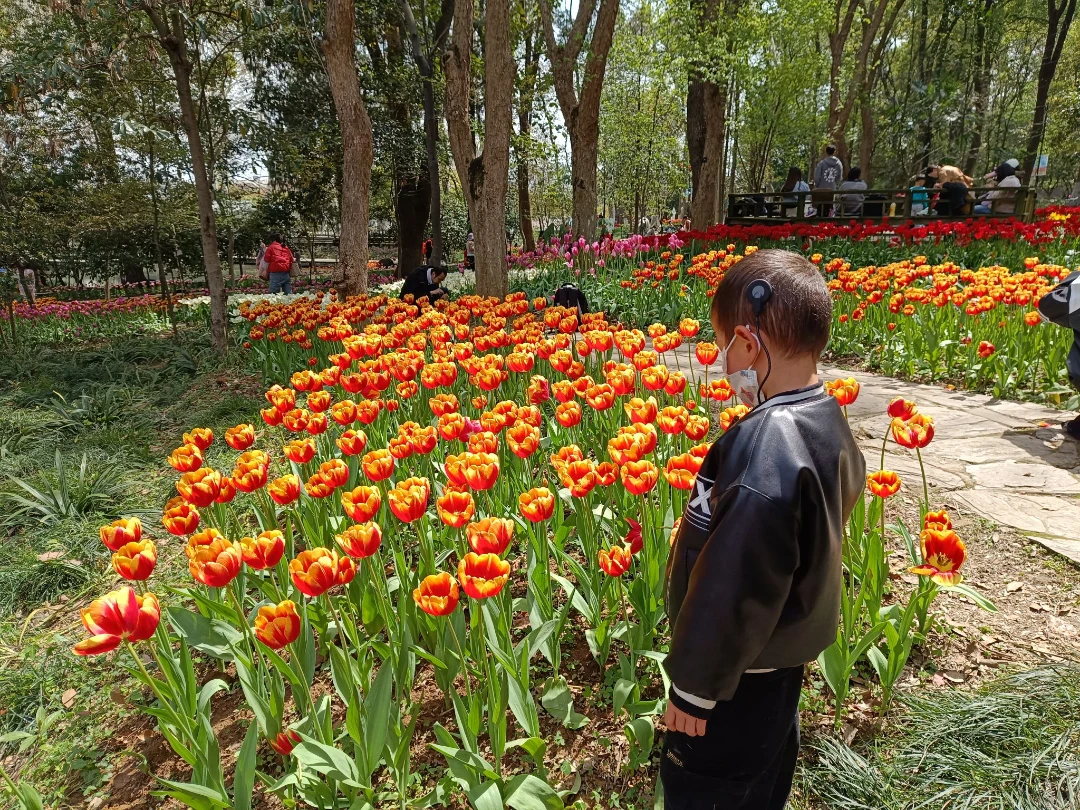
point(798, 316)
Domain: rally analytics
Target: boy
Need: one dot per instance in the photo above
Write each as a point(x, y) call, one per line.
point(755, 577)
point(1062, 306)
point(920, 197)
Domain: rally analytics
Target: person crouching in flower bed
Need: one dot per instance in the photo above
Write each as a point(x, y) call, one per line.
point(754, 579)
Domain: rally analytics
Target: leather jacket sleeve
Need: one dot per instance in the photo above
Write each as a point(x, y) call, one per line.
point(735, 596)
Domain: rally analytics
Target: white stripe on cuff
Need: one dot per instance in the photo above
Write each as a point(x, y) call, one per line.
point(693, 700)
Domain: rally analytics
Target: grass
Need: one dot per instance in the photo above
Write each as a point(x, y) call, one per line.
point(84, 427)
point(1012, 745)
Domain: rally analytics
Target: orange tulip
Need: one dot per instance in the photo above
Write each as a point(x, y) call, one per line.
point(240, 437)
point(943, 554)
point(277, 626)
point(615, 561)
point(672, 419)
point(564, 391)
point(451, 425)
point(213, 560)
point(938, 520)
point(523, 439)
point(263, 551)
point(537, 504)
point(539, 390)
point(600, 397)
point(300, 451)
point(901, 408)
point(362, 503)
point(443, 404)
point(200, 487)
point(483, 442)
point(361, 540)
point(251, 471)
point(120, 532)
point(641, 411)
point(283, 399)
point(271, 416)
point(481, 471)
point(318, 401)
point(483, 575)
point(378, 465)
point(697, 427)
point(883, 483)
point(655, 378)
point(682, 470)
point(186, 458)
point(578, 476)
point(706, 353)
point(606, 473)
point(319, 569)
point(490, 535)
point(423, 440)
point(437, 595)
point(455, 508)
point(296, 420)
point(317, 486)
point(179, 518)
point(200, 437)
point(688, 327)
point(118, 616)
point(335, 472)
point(408, 500)
point(676, 384)
point(343, 412)
point(639, 476)
point(284, 490)
point(845, 391)
point(135, 560)
point(367, 410)
point(916, 432)
point(352, 442)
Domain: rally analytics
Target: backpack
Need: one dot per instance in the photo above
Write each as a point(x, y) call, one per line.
point(278, 258)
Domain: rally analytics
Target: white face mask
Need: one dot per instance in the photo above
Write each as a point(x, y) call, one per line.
point(744, 383)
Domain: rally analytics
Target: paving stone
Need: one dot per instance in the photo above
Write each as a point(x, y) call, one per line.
point(1024, 476)
point(1053, 521)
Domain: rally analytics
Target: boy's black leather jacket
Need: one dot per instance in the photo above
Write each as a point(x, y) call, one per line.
point(754, 578)
point(1062, 306)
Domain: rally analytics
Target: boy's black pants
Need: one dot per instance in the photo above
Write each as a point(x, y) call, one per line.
point(746, 758)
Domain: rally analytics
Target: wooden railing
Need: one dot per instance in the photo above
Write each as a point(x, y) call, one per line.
point(877, 204)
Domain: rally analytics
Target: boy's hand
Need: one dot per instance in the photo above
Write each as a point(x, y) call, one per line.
point(677, 720)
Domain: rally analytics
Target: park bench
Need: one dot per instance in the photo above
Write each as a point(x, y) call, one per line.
point(877, 204)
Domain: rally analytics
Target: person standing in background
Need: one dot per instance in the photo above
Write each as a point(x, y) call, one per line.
point(827, 176)
point(470, 252)
point(277, 266)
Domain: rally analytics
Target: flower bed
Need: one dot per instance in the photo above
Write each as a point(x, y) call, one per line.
point(441, 501)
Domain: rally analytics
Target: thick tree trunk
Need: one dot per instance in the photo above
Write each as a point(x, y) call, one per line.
point(705, 209)
point(981, 82)
point(431, 144)
point(172, 38)
point(350, 276)
point(485, 176)
point(581, 109)
point(525, 107)
point(411, 208)
point(1059, 19)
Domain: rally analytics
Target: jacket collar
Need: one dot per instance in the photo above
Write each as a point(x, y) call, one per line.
point(790, 397)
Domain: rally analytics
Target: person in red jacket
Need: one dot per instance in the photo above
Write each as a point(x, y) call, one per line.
point(277, 265)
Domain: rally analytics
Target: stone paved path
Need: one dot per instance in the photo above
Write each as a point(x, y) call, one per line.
point(1006, 461)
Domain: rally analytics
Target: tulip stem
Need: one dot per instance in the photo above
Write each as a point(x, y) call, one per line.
point(178, 719)
point(248, 635)
point(461, 655)
point(925, 488)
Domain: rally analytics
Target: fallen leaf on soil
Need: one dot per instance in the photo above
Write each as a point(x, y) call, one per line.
point(938, 679)
point(1014, 586)
point(50, 555)
point(954, 676)
point(117, 696)
point(68, 698)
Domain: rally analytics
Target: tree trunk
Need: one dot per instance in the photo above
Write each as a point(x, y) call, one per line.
point(581, 109)
point(339, 44)
point(926, 131)
point(1059, 19)
point(172, 38)
point(866, 137)
point(484, 176)
point(162, 280)
point(525, 105)
point(704, 210)
point(412, 205)
point(981, 82)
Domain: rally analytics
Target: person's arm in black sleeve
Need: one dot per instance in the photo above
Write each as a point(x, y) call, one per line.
point(734, 599)
point(1055, 306)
